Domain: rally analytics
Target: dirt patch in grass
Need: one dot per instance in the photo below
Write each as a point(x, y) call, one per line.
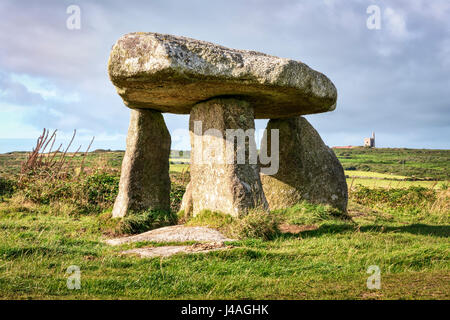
point(296, 229)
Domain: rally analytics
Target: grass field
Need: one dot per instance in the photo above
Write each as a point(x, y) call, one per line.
point(382, 183)
point(45, 228)
point(37, 248)
point(370, 174)
point(383, 163)
point(421, 163)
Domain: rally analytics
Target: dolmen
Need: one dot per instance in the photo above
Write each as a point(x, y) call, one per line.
point(223, 90)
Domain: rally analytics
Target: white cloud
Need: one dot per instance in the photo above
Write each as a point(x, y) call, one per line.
point(395, 22)
point(44, 88)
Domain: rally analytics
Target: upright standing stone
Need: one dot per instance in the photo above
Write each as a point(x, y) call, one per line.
point(308, 169)
point(144, 181)
point(224, 166)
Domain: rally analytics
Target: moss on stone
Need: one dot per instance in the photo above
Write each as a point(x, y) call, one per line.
point(308, 170)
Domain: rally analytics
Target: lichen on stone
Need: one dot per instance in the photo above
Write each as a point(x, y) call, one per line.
point(172, 74)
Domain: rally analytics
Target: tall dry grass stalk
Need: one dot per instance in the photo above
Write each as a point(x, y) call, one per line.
point(434, 185)
point(351, 187)
point(51, 164)
point(442, 203)
point(184, 175)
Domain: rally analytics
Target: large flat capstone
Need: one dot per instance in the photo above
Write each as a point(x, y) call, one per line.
point(172, 74)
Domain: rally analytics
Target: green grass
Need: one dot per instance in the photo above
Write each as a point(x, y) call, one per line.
point(178, 167)
point(369, 174)
point(180, 159)
point(327, 262)
point(421, 163)
point(403, 231)
point(374, 183)
point(257, 224)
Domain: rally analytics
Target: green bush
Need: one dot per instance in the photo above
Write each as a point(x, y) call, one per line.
point(257, 224)
point(90, 194)
point(394, 198)
point(212, 219)
point(42, 191)
point(7, 187)
point(144, 221)
point(101, 188)
point(416, 203)
point(307, 213)
point(176, 196)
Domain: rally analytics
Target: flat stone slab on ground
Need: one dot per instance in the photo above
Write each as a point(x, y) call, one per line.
point(177, 233)
point(167, 251)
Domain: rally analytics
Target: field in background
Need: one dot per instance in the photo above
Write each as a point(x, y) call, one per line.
point(397, 225)
point(395, 168)
point(417, 163)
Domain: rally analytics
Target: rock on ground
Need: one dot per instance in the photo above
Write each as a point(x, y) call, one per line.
point(144, 181)
point(172, 74)
point(308, 169)
point(178, 233)
point(167, 251)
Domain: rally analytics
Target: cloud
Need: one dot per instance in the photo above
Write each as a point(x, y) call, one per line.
point(394, 80)
point(15, 92)
point(396, 24)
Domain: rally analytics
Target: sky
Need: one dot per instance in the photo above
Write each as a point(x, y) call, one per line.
point(393, 79)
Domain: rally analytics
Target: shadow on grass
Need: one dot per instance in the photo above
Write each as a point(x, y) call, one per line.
point(20, 252)
point(442, 231)
point(422, 229)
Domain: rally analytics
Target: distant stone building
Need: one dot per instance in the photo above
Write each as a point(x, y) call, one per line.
point(370, 142)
